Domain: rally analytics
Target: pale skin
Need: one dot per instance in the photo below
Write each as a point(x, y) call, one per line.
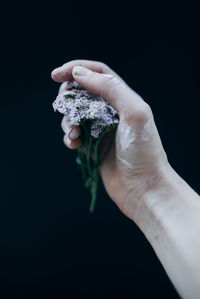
point(138, 177)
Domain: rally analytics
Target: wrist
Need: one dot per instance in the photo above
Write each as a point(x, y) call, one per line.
point(168, 215)
point(160, 206)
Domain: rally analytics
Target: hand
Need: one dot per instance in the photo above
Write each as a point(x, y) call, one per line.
point(136, 163)
point(138, 177)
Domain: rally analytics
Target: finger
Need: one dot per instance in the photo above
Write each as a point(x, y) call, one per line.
point(72, 144)
point(118, 94)
point(62, 88)
point(64, 73)
point(65, 127)
point(73, 132)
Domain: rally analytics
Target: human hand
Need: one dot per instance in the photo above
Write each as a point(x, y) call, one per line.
point(136, 162)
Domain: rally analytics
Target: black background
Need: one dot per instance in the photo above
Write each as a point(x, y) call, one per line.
point(50, 245)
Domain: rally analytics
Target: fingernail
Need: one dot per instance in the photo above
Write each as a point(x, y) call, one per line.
point(73, 134)
point(81, 71)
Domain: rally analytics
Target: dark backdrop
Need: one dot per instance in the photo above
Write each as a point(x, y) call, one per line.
point(49, 243)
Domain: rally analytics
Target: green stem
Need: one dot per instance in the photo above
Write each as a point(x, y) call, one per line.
point(88, 143)
point(90, 170)
point(88, 152)
point(107, 148)
point(95, 177)
point(85, 132)
point(94, 190)
point(82, 165)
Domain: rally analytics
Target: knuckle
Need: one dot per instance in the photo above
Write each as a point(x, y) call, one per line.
point(110, 85)
point(104, 66)
point(145, 109)
point(139, 114)
point(140, 117)
point(72, 62)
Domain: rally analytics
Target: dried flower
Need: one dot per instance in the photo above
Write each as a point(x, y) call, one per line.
point(96, 117)
point(79, 104)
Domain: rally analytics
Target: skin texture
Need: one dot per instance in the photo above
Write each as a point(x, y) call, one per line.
point(138, 176)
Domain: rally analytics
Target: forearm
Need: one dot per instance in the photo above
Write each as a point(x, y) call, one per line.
point(169, 216)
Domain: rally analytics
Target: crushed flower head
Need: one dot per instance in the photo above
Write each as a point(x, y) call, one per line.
point(79, 104)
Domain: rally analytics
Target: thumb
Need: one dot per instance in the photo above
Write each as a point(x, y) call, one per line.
point(111, 88)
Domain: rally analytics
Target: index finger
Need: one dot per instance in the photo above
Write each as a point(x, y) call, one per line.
point(64, 73)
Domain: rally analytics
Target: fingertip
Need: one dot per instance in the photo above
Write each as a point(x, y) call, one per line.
point(55, 71)
point(61, 74)
point(56, 74)
point(71, 144)
point(74, 132)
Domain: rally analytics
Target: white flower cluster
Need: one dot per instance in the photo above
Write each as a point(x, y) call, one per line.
point(79, 104)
